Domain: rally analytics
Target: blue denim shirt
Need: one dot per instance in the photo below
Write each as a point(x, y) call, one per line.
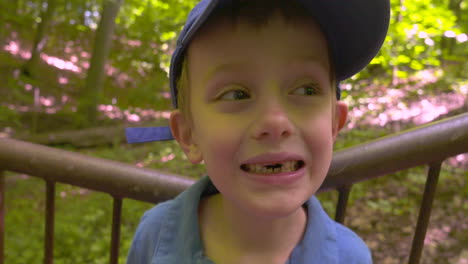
point(169, 234)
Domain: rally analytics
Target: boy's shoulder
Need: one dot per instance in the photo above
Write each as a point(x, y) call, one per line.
point(146, 238)
point(169, 227)
point(327, 241)
point(351, 248)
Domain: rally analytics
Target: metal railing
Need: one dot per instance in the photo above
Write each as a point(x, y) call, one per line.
point(429, 144)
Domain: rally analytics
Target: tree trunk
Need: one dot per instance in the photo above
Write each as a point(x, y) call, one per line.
point(398, 18)
point(455, 6)
point(96, 71)
point(40, 38)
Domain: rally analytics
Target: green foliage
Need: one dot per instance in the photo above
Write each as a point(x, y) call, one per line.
point(9, 117)
point(151, 25)
point(138, 77)
point(145, 38)
point(82, 223)
point(416, 38)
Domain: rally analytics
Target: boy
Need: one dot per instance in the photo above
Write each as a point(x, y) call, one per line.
point(255, 87)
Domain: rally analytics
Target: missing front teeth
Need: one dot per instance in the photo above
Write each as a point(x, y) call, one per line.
point(275, 166)
point(287, 166)
point(299, 164)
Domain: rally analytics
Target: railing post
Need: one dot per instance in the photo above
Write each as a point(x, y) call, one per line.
point(425, 212)
point(115, 239)
point(2, 216)
point(343, 196)
point(49, 223)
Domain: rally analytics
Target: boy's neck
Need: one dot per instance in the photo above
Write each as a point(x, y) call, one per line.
point(230, 235)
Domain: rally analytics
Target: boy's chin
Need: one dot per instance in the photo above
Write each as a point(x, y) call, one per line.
point(276, 206)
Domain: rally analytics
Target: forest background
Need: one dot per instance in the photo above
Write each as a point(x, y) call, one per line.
point(83, 70)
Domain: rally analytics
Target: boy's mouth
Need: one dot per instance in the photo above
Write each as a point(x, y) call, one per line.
point(273, 168)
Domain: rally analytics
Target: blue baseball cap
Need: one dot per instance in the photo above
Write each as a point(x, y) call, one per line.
point(355, 31)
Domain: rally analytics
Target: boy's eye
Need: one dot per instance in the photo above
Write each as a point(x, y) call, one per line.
point(307, 89)
point(233, 95)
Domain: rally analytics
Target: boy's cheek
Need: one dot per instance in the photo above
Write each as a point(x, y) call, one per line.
point(232, 107)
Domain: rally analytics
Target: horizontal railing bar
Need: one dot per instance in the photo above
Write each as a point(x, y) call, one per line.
point(418, 146)
point(115, 178)
point(432, 142)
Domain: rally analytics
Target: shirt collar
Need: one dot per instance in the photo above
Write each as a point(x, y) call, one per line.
point(319, 242)
point(180, 231)
point(180, 240)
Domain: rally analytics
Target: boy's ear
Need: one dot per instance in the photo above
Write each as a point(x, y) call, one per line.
point(341, 114)
point(182, 131)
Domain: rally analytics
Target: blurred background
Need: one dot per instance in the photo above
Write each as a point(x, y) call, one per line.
point(82, 70)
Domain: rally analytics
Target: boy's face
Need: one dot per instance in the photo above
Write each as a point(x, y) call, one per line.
point(261, 96)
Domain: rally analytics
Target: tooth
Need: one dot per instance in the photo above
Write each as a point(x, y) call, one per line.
point(256, 168)
point(287, 166)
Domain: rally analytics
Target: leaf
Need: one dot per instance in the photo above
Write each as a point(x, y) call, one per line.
point(416, 65)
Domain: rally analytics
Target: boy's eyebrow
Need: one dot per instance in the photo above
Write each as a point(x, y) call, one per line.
point(223, 67)
point(308, 58)
point(236, 65)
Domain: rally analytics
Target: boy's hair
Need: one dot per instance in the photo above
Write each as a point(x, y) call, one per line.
point(256, 13)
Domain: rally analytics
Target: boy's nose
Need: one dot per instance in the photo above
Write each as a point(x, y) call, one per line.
point(272, 124)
